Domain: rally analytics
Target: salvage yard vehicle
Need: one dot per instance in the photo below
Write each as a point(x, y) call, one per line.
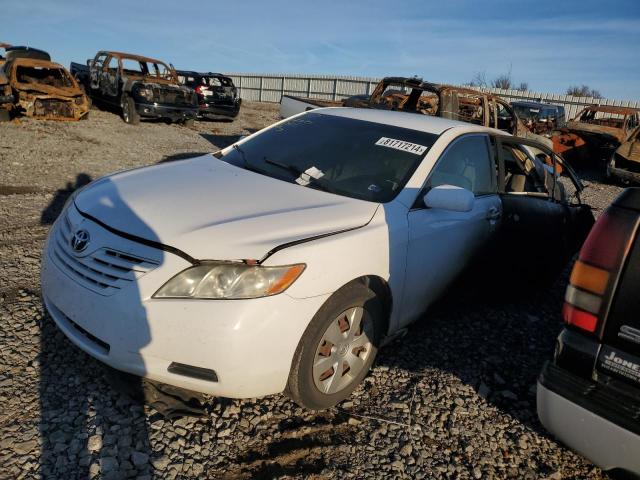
point(217, 95)
point(538, 117)
point(281, 262)
point(625, 161)
point(32, 85)
point(595, 133)
point(141, 87)
point(416, 96)
point(589, 395)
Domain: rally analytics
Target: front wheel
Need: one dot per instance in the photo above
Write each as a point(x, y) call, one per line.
point(129, 112)
point(337, 348)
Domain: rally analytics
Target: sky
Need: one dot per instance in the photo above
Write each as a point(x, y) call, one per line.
point(550, 45)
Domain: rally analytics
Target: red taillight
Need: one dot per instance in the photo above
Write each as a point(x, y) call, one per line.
point(598, 265)
point(198, 89)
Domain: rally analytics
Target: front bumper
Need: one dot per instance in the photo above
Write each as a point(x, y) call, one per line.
point(598, 423)
point(249, 344)
point(173, 113)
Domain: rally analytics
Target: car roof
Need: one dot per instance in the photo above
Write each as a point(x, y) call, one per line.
point(413, 121)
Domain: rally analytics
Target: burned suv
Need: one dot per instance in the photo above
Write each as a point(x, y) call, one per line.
point(217, 95)
point(138, 86)
point(32, 85)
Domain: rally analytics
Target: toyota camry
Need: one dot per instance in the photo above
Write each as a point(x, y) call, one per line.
point(282, 262)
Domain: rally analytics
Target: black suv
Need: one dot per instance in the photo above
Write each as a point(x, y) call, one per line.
point(217, 95)
point(589, 395)
point(540, 117)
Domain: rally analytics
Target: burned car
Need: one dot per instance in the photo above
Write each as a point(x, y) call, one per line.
point(140, 87)
point(217, 95)
point(32, 85)
point(596, 132)
point(625, 161)
point(540, 118)
point(413, 95)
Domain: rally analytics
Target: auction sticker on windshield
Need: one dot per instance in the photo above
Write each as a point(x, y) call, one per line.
point(402, 145)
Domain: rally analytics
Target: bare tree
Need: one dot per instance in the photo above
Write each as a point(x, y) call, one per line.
point(502, 81)
point(583, 91)
point(479, 80)
point(523, 87)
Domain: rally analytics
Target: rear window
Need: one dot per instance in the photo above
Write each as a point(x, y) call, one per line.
point(345, 156)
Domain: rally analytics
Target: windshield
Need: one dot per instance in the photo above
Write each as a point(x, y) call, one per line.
point(527, 113)
point(53, 77)
point(353, 158)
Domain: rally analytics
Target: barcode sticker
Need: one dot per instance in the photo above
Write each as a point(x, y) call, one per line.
point(402, 145)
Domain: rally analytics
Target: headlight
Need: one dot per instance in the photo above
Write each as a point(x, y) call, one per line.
point(146, 93)
point(230, 281)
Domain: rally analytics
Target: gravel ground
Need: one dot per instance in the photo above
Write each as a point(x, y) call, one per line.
point(453, 399)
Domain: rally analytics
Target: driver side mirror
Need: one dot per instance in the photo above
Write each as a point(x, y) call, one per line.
point(450, 197)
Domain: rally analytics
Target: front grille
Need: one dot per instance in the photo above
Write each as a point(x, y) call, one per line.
point(104, 271)
point(173, 96)
point(51, 107)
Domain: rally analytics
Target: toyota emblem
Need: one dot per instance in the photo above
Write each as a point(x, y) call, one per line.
point(80, 240)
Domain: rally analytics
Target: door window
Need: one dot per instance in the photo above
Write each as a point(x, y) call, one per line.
point(99, 62)
point(467, 164)
point(112, 66)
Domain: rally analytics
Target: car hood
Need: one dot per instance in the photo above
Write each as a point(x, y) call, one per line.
point(210, 209)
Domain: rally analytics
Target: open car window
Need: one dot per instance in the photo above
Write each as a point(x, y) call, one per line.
point(529, 168)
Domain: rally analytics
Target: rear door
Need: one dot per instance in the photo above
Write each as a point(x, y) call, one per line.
point(539, 224)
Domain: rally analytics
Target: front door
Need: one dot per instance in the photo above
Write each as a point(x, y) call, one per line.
point(441, 243)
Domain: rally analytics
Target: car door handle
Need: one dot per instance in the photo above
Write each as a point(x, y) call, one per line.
point(494, 213)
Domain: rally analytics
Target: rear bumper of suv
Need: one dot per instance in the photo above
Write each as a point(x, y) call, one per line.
point(593, 420)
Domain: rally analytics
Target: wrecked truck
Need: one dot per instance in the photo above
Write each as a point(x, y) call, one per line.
point(32, 85)
point(595, 133)
point(414, 95)
point(139, 87)
point(625, 161)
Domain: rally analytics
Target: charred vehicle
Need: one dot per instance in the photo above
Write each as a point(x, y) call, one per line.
point(596, 132)
point(625, 161)
point(217, 95)
point(416, 96)
point(32, 85)
point(540, 118)
point(141, 87)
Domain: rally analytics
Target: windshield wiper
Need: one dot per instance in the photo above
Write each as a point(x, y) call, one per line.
point(313, 182)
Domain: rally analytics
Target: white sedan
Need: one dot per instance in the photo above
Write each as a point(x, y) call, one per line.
point(281, 262)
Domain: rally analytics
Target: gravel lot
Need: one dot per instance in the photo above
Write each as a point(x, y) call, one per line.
point(453, 399)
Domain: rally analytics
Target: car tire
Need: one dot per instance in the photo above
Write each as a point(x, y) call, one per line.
point(353, 318)
point(129, 112)
point(189, 123)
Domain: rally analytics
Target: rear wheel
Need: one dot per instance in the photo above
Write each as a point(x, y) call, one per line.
point(337, 349)
point(129, 113)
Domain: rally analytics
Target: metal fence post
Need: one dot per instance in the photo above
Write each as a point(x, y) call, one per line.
point(335, 88)
point(260, 91)
point(284, 79)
